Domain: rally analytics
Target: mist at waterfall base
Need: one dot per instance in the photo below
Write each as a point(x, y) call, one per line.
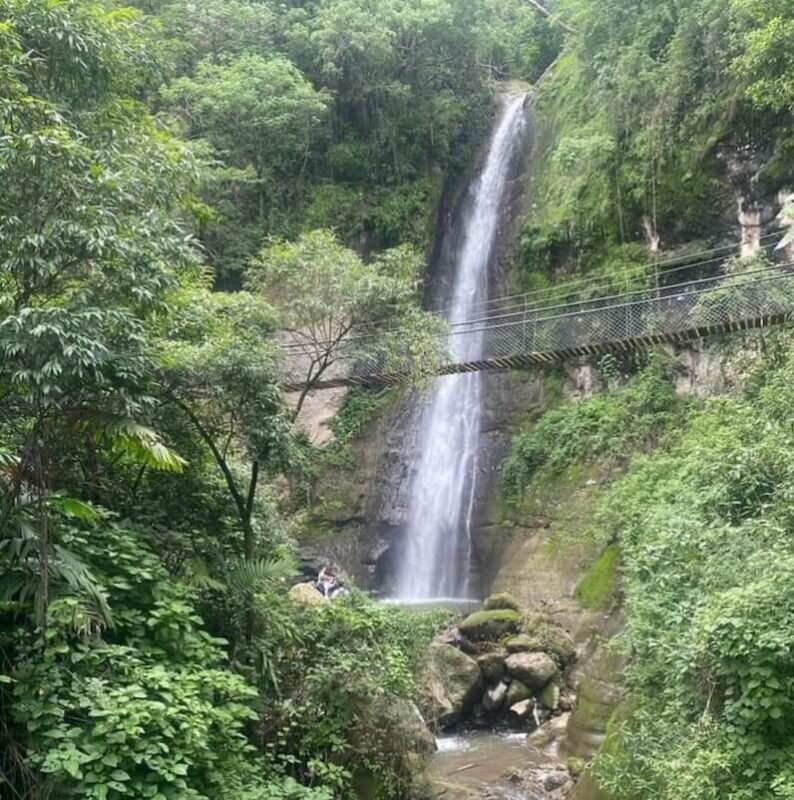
point(436, 558)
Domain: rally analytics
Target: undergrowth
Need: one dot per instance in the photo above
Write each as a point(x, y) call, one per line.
point(608, 426)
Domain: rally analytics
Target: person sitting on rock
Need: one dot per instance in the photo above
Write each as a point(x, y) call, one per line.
point(327, 583)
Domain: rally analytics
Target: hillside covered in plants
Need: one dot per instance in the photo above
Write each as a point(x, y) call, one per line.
point(185, 182)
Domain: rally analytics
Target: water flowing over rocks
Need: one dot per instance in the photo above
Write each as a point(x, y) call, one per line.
point(479, 683)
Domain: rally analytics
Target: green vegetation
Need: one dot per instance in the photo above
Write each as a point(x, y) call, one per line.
point(648, 105)
point(597, 587)
point(700, 532)
point(608, 426)
point(705, 528)
point(181, 179)
point(147, 643)
point(335, 114)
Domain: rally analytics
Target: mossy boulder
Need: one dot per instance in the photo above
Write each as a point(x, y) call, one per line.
point(550, 696)
point(492, 664)
point(517, 692)
point(452, 682)
point(490, 626)
point(501, 601)
point(523, 643)
point(305, 594)
point(533, 669)
point(557, 641)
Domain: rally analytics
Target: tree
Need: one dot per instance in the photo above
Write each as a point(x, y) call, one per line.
point(262, 119)
point(89, 243)
point(335, 308)
point(217, 367)
point(766, 65)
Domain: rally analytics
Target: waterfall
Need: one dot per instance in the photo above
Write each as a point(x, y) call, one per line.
point(436, 559)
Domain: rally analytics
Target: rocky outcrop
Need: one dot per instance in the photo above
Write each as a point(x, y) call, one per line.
point(451, 682)
point(485, 683)
point(492, 665)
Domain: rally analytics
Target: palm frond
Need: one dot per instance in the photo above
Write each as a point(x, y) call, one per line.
point(75, 574)
point(260, 574)
point(138, 442)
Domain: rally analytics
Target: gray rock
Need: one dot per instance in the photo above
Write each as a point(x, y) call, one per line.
point(501, 600)
point(550, 696)
point(533, 669)
point(558, 642)
point(522, 644)
point(305, 594)
point(451, 682)
point(523, 709)
point(554, 780)
point(492, 665)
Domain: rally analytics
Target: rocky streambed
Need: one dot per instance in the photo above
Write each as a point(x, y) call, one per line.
point(497, 691)
point(500, 668)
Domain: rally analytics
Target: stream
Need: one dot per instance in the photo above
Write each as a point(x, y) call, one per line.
point(492, 765)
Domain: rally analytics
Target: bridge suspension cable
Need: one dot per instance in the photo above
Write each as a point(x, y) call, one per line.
point(375, 328)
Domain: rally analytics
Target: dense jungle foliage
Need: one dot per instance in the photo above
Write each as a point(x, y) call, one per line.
point(655, 117)
point(178, 179)
point(701, 514)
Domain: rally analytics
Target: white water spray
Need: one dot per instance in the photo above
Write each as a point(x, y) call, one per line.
point(438, 534)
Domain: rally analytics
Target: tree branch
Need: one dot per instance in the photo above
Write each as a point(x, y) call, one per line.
point(555, 19)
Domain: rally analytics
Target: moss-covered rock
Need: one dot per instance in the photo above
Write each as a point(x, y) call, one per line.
point(557, 642)
point(490, 625)
point(451, 682)
point(523, 643)
point(596, 589)
point(550, 696)
point(517, 692)
point(501, 600)
point(305, 594)
point(492, 664)
point(533, 669)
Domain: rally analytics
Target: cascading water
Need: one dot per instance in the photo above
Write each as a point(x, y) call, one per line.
point(441, 498)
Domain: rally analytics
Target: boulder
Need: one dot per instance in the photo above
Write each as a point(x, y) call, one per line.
point(501, 600)
point(495, 697)
point(533, 669)
point(517, 692)
point(522, 644)
point(524, 709)
point(550, 733)
point(492, 665)
point(550, 696)
point(490, 625)
point(305, 594)
point(558, 642)
point(576, 766)
point(452, 681)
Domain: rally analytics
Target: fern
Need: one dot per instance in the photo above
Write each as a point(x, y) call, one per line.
point(139, 443)
point(250, 577)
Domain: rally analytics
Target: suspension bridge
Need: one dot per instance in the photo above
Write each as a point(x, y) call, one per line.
point(584, 317)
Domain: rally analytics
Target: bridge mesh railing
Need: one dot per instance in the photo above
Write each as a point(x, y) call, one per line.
point(704, 306)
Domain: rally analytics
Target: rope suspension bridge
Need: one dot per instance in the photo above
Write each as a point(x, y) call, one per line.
point(584, 317)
